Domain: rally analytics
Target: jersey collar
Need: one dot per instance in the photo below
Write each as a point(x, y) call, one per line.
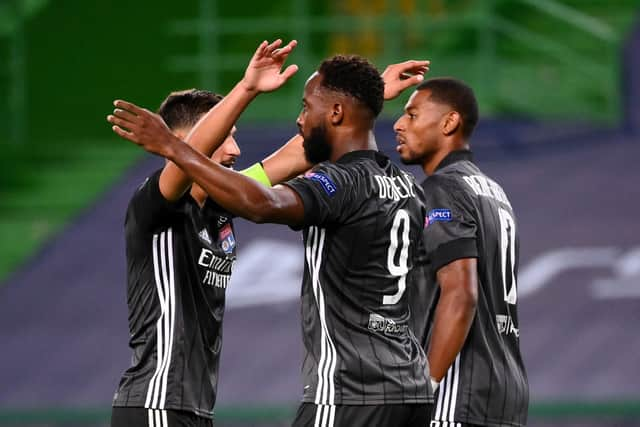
point(456, 156)
point(359, 154)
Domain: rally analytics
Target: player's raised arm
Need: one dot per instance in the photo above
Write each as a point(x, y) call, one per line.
point(263, 74)
point(403, 75)
point(240, 195)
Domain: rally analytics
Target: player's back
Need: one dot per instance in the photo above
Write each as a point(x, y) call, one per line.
point(363, 222)
point(487, 383)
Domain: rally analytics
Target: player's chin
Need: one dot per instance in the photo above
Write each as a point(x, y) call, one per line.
point(402, 151)
point(405, 155)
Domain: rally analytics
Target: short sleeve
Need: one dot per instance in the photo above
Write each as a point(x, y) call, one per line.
point(325, 192)
point(148, 208)
point(450, 228)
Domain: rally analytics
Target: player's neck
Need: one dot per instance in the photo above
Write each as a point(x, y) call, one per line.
point(430, 164)
point(349, 140)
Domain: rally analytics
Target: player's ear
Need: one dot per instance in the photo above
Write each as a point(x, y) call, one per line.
point(337, 114)
point(452, 122)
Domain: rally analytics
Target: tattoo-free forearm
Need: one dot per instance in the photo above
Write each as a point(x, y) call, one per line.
point(237, 193)
point(212, 129)
point(287, 162)
point(206, 136)
point(454, 314)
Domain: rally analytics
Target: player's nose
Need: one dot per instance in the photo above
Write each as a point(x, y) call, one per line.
point(299, 121)
point(398, 125)
point(233, 149)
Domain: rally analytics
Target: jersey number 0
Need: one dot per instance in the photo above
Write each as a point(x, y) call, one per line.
point(508, 256)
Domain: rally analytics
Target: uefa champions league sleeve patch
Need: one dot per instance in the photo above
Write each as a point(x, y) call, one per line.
point(327, 184)
point(227, 239)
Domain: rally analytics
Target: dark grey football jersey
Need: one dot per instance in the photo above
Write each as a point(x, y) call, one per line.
point(179, 260)
point(469, 215)
point(363, 223)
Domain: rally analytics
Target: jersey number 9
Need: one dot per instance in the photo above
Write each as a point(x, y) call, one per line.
point(399, 235)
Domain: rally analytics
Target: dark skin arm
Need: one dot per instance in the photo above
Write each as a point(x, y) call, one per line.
point(233, 191)
point(454, 315)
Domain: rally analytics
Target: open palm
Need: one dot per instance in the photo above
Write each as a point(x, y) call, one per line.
point(264, 73)
point(403, 75)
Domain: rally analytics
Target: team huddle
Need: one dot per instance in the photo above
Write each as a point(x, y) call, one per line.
point(409, 291)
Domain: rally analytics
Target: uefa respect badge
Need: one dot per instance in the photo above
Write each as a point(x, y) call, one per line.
point(435, 215)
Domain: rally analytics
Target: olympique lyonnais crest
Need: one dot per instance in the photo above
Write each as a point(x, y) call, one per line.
point(227, 239)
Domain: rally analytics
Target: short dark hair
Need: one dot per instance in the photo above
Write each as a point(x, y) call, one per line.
point(355, 76)
point(456, 94)
point(183, 109)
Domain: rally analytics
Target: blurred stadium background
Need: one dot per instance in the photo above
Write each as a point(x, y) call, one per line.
point(559, 88)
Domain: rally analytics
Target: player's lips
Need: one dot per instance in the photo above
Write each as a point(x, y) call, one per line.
point(401, 141)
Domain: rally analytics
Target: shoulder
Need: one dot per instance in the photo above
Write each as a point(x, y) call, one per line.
point(336, 169)
point(149, 209)
point(449, 182)
point(330, 175)
point(448, 188)
point(147, 188)
point(150, 181)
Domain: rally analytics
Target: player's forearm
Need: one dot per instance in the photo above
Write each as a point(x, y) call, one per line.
point(213, 128)
point(235, 192)
point(453, 318)
point(287, 162)
point(206, 136)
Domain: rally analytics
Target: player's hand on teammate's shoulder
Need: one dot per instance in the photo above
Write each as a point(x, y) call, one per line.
point(264, 72)
point(141, 127)
point(400, 76)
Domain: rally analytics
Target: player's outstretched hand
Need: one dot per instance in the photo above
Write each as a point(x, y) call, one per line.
point(264, 72)
point(398, 77)
point(142, 127)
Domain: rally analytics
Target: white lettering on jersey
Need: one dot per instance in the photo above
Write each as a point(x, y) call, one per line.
point(394, 188)
point(216, 279)
point(486, 187)
point(505, 325)
point(218, 269)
